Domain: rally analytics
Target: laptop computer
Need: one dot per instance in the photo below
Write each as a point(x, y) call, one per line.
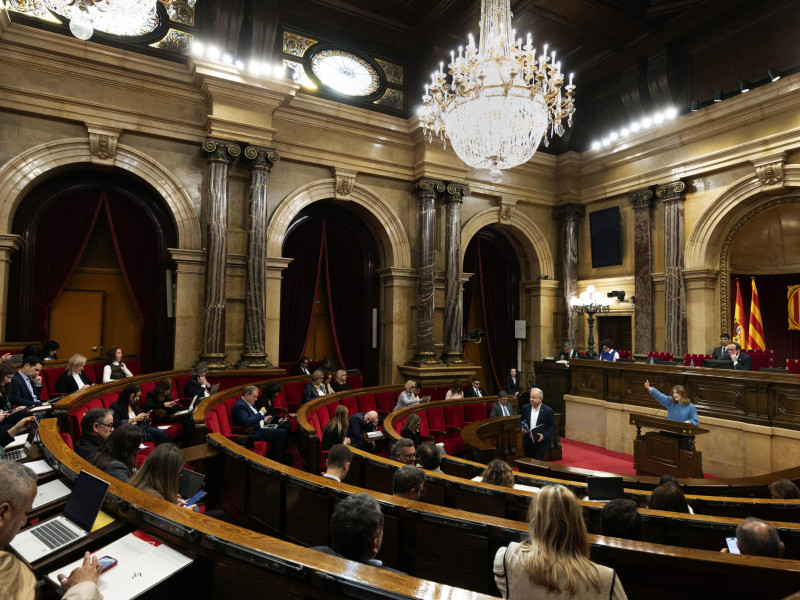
point(190, 483)
point(13, 452)
point(604, 488)
point(75, 523)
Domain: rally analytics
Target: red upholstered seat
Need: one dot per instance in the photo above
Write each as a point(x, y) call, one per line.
point(428, 391)
point(454, 417)
point(761, 359)
point(424, 431)
point(386, 402)
point(314, 420)
point(624, 353)
point(109, 399)
point(75, 418)
point(397, 395)
point(67, 439)
point(351, 403)
point(474, 412)
point(50, 376)
point(323, 416)
point(134, 366)
point(436, 422)
point(217, 421)
point(294, 393)
point(355, 382)
point(441, 391)
point(793, 365)
point(95, 372)
point(366, 403)
point(398, 425)
point(279, 402)
point(694, 359)
point(180, 385)
point(147, 387)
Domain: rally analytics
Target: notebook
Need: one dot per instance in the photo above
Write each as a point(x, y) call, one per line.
point(12, 452)
point(604, 488)
point(73, 524)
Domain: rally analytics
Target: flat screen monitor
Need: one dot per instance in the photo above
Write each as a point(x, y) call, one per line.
point(717, 364)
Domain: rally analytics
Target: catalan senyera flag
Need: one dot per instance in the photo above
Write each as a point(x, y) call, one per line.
point(755, 333)
point(739, 332)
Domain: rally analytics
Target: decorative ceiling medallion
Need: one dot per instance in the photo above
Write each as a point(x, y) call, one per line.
point(392, 72)
point(175, 41)
point(392, 98)
point(345, 72)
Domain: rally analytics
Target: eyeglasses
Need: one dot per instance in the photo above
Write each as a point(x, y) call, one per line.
point(109, 425)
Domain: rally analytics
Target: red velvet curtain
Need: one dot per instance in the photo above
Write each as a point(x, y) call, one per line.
point(491, 277)
point(344, 265)
point(60, 241)
point(304, 246)
point(774, 312)
point(137, 248)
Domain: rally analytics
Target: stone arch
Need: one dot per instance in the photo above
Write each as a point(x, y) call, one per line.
point(20, 174)
point(709, 242)
point(390, 234)
point(528, 235)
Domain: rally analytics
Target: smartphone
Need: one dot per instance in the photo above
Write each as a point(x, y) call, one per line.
point(196, 498)
point(732, 547)
point(107, 562)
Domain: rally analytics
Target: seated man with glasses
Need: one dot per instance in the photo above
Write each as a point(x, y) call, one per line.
point(403, 452)
point(96, 425)
point(475, 390)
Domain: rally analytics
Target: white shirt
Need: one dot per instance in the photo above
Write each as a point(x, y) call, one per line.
point(78, 380)
point(504, 408)
point(334, 477)
point(253, 408)
point(477, 391)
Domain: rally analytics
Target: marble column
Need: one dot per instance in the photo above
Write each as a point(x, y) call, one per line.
point(260, 161)
point(673, 195)
point(641, 201)
point(219, 155)
point(569, 215)
point(426, 190)
point(453, 300)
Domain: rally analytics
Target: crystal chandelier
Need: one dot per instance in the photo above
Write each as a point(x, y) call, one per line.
point(87, 15)
point(500, 99)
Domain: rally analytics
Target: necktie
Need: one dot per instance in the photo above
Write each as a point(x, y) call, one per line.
point(505, 411)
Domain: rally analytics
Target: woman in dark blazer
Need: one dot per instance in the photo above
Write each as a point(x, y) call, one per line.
point(127, 409)
point(67, 383)
point(117, 455)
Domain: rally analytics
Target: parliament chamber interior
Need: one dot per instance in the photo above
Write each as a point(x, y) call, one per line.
point(267, 188)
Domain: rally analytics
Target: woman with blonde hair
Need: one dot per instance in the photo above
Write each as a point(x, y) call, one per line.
point(73, 378)
point(336, 429)
point(554, 561)
point(16, 580)
point(408, 396)
point(160, 473)
point(340, 381)
point(411, 429)
point(498, 472)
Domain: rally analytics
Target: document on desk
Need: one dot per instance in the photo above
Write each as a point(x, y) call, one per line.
point(50, 492)
point(40, 467)
point(142, 563)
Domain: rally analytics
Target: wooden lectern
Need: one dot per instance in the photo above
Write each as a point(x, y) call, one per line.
point(670, 450)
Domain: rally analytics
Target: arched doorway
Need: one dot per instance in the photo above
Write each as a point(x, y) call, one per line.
point(491, 303)
point(94, 243)
point(329, 291)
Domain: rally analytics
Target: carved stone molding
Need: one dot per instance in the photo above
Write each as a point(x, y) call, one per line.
point(671, 192)
point(260, 158)
point(641, 198)
point(428, 186)
point(220, 151)
point(507, 208)
point(345, 180)
point(569, 212)
point(103, 144)
point(769, 170)
point(456, 192)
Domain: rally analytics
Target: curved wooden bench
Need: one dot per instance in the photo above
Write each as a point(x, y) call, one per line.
point(428, 536)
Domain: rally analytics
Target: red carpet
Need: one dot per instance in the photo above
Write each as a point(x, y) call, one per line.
point(586, 456)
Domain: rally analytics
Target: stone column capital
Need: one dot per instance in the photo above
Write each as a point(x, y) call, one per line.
point(569, 212)
point(260, 158)
point(428, 187)
point(220, 151)
point(642, 198)
point(672, 192)
point(456, 192)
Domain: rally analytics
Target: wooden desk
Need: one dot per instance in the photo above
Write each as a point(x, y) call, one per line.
point(496, 438)
point(670, 450)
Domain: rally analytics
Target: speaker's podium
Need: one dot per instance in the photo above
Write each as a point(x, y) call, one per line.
point(670, 450)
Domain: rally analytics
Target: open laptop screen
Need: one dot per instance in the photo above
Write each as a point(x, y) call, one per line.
point(85, 500)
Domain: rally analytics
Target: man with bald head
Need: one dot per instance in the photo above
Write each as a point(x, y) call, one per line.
point(536, 443)
point(357, 428)
point(755, 537)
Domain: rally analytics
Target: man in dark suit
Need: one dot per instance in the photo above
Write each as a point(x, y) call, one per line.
point(198, 384)
point(244, 414)
point(475, 390)
point(502, 408)
point(537, 445)
point(26, 384)
point(721, 351)
point(741, 361)
point(302, 367)
point(568, 352)
point(512, 383)
point(358, 426)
